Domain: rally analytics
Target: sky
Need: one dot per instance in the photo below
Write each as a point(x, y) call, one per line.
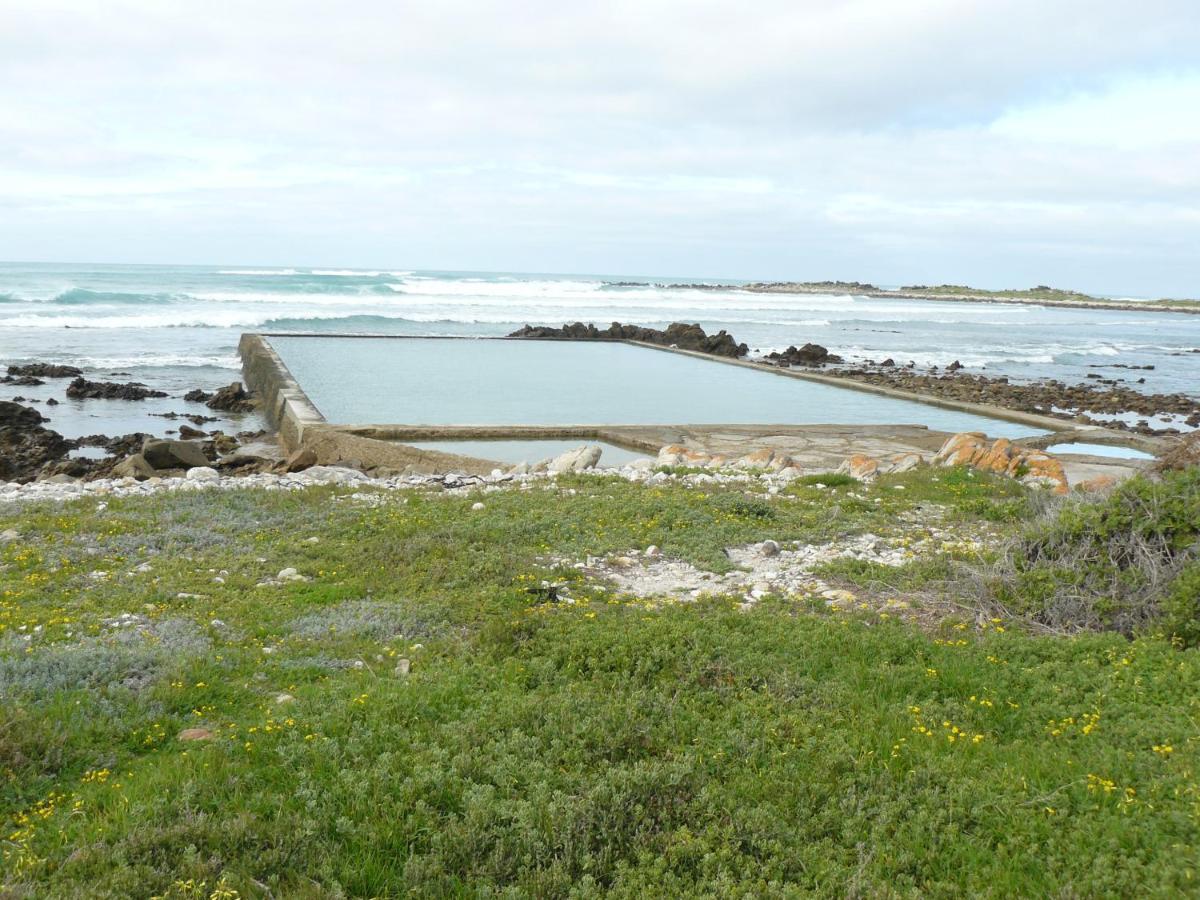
point(1000, 143)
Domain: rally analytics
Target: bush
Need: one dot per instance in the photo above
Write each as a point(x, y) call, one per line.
point(1111, 563)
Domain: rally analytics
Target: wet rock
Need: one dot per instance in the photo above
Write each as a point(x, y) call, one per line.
point(808, 355)
point(232, 398)
point(82, 389)
point(22, 380)
point(173, 454)
point(677, 334)
point(188, 433)
point(25, 445)
point(44, 370)
point(198, 396)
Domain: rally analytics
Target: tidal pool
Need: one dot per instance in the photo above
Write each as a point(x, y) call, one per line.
point(431, 381)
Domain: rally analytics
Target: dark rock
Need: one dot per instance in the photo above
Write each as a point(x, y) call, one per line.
point(954, 366)
point(223, 443)
point(173, 454)
point(198, 396)
point(22, 380)
point(82, 389)
point(677, 334)
point(51, 402)
point(45, 370)
point(232, 398)
point(808, 355)
point(188, 433)
point(25, 445)
point(888, 363)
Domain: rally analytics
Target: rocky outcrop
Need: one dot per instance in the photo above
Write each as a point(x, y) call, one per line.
point(25, 445)
point(44, 370)
point(232, 398)
point(1031, 467)
point(677, 334)
point(82, 389)
point(764, 459)
point(808, 355)
point(198, 396)
point(1184, 455)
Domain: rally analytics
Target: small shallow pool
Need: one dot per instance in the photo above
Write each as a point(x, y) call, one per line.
point(1100, 450)
point(430, 381)
point(530, 451)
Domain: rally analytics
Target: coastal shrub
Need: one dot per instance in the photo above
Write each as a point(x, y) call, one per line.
point(828, 479)
point(370, 619)
point(1108, 563)
point(1181, 608)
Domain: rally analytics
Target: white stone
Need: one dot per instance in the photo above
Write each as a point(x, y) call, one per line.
point(477, 506)
point(576, 460)
point(202, 473)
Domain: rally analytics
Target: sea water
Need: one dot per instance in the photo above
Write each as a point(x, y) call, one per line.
point(177, 327)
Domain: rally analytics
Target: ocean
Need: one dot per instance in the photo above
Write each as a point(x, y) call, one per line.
point(177, 327)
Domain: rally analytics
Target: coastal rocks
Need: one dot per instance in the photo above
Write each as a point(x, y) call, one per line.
point(25, 445)
point(198, 396)
point(677, 334)
point(188, 433)
point(1032, 467)
point(22, 380)
point(867, 468)
point(576, 460)
point(44, 370)
point(808, 355)
point(1184, 455)
point(82, 389)
point(231, 398)
point(765, 459)
point(134, 466)
point(173, 454)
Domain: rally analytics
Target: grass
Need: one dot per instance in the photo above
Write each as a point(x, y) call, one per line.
point(554, 749)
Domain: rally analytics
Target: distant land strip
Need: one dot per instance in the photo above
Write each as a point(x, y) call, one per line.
point(1038, 296)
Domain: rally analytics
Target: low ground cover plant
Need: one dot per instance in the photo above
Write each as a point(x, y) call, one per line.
point(413, 719)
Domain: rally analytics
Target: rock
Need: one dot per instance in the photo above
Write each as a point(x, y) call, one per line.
point(759, 459)
point(304, 458)
point(188, 433)
point(198, 396)
point(1097, 485)
point(769, 548)
point(576, 460)
point(134, 466)
point(44, 370)
point(677, 334)
point(281, 699)
point(232, 398)
point(521, 468)
point(860, 467)
point(22, 380)
point(82, 389)
point(173, 454)
point(1032, 467)
point(403, 667)
point(202, 473)
point(904, 462)
point(476, 507)
point(678, 455)
point(196, 734)
point(653, 552)
point(288, 574)
point(8, 535)
point(808, 355)
point(25, 445)
point(223, 443)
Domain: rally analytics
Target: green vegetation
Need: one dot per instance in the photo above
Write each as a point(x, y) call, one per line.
point(611, 745)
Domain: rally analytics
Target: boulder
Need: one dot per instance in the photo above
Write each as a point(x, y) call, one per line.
point(576, 460)
point(198, 396)
point(808, 355)
point(860, 467)
point(188, 433)
point(134, 466)
point(163, 454)
point(202, 473)
point(679, 455)
point(304, 458)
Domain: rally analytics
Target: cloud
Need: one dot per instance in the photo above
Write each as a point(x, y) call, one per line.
point(938, 139)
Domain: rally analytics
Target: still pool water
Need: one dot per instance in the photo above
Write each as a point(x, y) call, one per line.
point(429, 381)
point(1100, 450)
point(530, 451)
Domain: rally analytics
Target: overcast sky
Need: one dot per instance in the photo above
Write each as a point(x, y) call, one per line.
point(996, 142)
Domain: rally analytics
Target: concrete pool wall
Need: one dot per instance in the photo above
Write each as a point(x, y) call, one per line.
point(300, 423)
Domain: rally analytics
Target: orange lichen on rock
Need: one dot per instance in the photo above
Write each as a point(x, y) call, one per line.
point(1002, 456)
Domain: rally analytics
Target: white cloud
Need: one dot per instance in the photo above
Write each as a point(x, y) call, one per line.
point(939, 139)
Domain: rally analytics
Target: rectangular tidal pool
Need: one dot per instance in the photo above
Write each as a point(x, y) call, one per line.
point(463, 381)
